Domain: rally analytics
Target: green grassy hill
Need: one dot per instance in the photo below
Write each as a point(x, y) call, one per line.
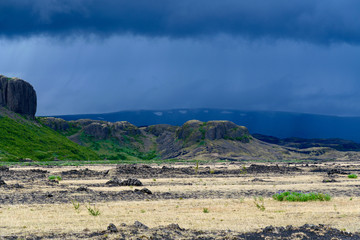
point(29, 139)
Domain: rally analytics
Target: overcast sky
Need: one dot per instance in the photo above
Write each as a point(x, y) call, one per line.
point(92, 56)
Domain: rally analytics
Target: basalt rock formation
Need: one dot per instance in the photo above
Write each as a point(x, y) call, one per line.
point(18, 96)
point(193, 140)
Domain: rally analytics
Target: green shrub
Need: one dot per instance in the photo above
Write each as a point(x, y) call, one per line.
point(52, 177)
point(205, 210)
point(301, 197)
point(352, 176)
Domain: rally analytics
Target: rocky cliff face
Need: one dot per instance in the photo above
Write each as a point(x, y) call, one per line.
point(18, 96)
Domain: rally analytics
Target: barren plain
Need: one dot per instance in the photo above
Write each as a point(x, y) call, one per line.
point(231, 200)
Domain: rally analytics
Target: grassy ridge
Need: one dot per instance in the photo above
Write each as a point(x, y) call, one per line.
point(27, 140)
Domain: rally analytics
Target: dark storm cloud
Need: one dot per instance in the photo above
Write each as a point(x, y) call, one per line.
point(131, 73)
point(321, 22)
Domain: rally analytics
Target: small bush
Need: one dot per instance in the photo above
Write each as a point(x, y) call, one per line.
point(205, 210)
point(352, 176)
point(301, 197)
point(52, 177)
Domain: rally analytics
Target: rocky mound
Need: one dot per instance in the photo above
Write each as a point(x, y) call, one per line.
point(18, 96)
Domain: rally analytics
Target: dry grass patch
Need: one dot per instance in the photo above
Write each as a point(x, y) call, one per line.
point(235, 214)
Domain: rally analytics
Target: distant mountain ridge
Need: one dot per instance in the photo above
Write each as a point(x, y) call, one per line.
point(278, 124)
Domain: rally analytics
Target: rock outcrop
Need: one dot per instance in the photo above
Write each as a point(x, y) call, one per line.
point(18, 96)
point(195, 131)
point(222, 140)
point(58, 124)
point(100, 130)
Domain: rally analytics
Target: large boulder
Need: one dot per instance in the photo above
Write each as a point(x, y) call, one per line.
point(18, 96)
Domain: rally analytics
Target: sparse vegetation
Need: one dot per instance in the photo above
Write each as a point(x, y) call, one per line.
point(93, 211)
point(52, 177)
point(352, 176)
point(259, 203)
point(76, 205)
point(243, 170)
point(196, 166)
point(301, 197)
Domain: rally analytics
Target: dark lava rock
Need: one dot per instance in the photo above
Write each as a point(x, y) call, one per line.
point(255, 168)
point(82, 173)
point(112, 228)
point(38, 171)
point(140, 225)
point(135, 169)
point(336, 171)
point(4, 169)
point(269, 229)
point(53, 181)
point(258, 180)
point(173, 231)
point(131, 182)
point(18, 96)
point(113, 182)
point(2, 182)
point(174, 226)
point(144, 190)
point(82, 189)
point(16, 185)
point(329, 180)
